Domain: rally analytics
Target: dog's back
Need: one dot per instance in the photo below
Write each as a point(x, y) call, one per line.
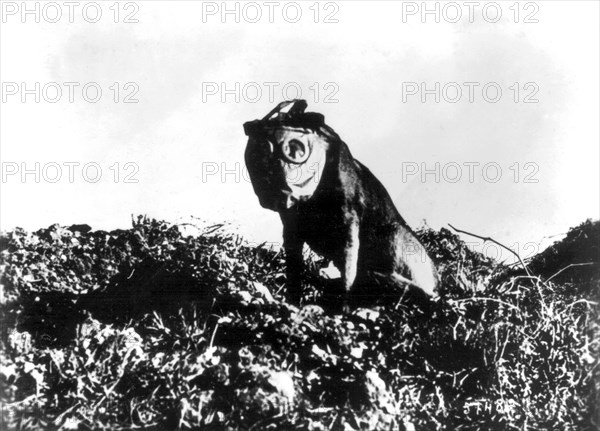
point(387, 244)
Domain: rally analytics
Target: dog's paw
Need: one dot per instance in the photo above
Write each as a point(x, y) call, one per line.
point(330, 272)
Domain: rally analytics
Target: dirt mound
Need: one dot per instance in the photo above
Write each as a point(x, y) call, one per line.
point(152, 329)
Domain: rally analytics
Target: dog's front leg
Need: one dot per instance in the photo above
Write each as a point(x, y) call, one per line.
point(294, 262)
point(350, 266)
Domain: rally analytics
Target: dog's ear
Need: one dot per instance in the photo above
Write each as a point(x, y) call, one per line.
point(338, 153)
point(253, 128)
point(337, 159)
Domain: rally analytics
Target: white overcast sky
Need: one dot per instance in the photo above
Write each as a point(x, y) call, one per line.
point(174, 132)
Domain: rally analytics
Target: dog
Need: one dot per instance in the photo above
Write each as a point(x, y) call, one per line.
point(300, 168)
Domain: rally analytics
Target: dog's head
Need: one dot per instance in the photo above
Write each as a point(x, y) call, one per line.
point(286, 154)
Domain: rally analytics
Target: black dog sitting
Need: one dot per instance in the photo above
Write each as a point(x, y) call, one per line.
point(301, 168)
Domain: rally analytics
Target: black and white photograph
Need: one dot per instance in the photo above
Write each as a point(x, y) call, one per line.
point(307, 215)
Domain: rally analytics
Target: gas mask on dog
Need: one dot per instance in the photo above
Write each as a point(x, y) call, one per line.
point(285, 155)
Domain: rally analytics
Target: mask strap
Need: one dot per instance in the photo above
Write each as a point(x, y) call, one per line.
point(299, 106)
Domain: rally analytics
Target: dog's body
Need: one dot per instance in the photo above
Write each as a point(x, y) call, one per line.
point(348, 217)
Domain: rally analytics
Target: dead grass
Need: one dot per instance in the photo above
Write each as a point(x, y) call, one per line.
point(148, 328)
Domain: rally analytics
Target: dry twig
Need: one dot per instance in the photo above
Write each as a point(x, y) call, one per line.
point(487, 238)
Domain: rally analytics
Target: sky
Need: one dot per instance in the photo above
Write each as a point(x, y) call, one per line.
point(510, 148)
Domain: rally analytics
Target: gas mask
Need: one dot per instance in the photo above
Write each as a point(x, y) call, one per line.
point(302, 156)
point(285, 156)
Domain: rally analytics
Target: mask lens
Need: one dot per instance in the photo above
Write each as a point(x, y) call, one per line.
point(295, 151)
